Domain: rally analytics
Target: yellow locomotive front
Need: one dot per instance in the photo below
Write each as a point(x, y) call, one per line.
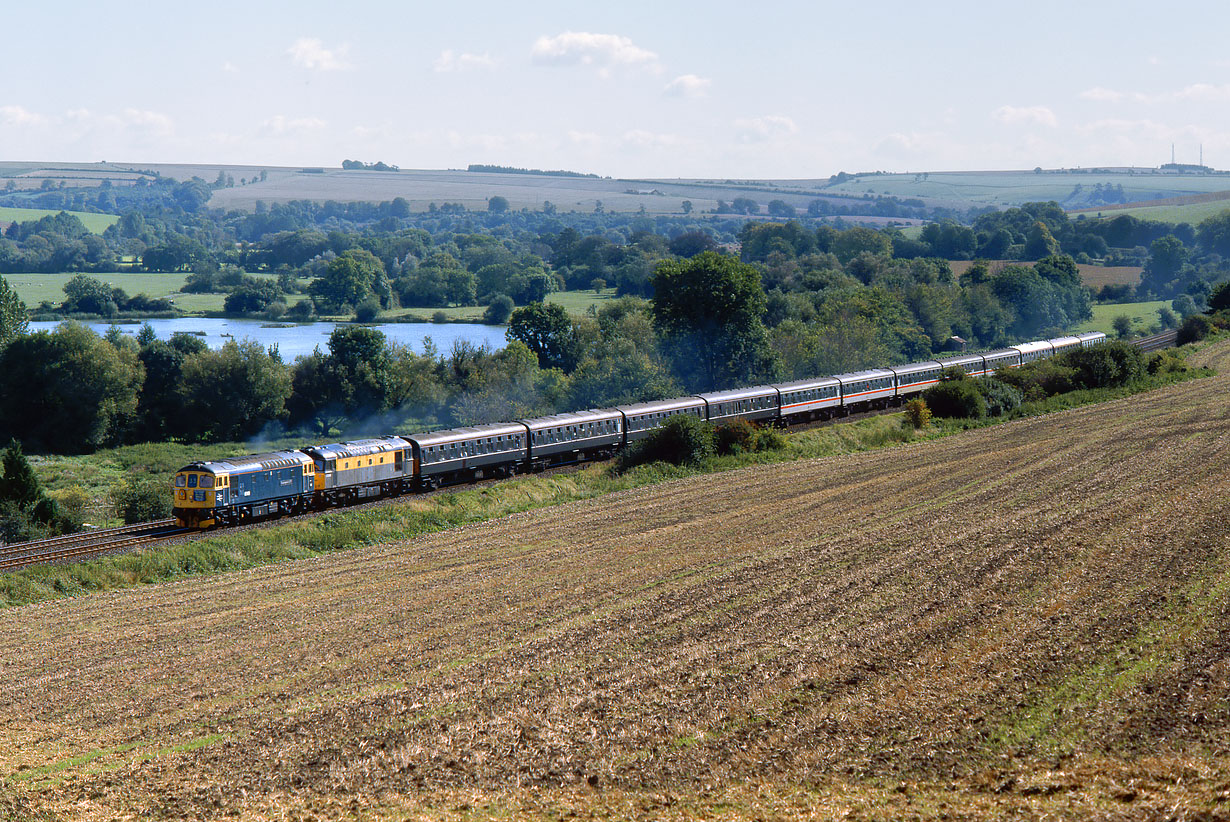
point(197, 494)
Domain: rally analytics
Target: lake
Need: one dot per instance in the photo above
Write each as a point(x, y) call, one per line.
point(298, 340)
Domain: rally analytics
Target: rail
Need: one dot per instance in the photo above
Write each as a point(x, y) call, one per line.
point(88, 543)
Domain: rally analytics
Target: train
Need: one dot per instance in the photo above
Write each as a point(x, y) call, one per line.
point(234, 491)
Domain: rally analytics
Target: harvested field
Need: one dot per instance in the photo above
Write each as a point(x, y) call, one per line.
point(1028, 620)
point(1094, 276)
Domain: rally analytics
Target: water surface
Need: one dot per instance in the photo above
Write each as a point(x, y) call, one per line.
point(298, 340)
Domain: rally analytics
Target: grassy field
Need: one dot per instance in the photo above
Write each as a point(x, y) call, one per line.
point(34, 288)
point(1193, 213)
point(97, 223)
point(1143, 315)
point(1015, 187)
point(1024, 621)
point(578, 303)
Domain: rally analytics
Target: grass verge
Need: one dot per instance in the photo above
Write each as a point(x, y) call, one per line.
point(341, 530)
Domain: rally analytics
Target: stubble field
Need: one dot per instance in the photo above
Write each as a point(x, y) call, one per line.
point(1027, 620)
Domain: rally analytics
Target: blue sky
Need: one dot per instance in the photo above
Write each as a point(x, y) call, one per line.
point(633, 89)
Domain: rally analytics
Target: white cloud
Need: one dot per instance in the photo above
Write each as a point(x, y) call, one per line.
point(1204, 92)
point(141, 120)
point(17, 116)
point(588, 49)
point(639, 138)
point(914, 143)
point(281, 124)
point(1016, 115)
point(310, 53)
point(768, 127)
point(1102, 95)
point(229, 67)
point(450, 61)
point(687, 85)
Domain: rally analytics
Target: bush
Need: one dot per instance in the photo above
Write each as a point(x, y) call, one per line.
point(1196, 327)
point(1000, 397)
point(1039, 379)
point(367, 311)
point(956, 398)
point(1162, 363)
point(141, 500)
point(1104, 366)
point(439, 317)
point(499, 310)
point(770, 439)
point(681, 440)
point(302, 310)
point(1123, 326)
point(734, 437)
point(917, 414)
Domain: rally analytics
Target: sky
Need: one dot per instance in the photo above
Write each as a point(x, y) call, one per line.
point(670, 88)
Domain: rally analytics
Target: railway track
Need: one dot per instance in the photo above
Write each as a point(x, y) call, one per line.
point(1157, 342)
point(74, 547)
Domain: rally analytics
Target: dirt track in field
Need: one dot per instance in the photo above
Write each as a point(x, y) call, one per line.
point(1024, 620)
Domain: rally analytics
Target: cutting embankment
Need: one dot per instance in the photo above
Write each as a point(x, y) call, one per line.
point(1022, 620)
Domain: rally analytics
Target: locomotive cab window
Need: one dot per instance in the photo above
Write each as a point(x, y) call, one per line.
point(180, 480)
point(192, 478)
point(207, 481)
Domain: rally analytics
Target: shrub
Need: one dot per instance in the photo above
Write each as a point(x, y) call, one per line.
point(1162, 363)
point(302, 310)
point(141, 500)
point(681, 440)
point(1000, 397)
point(499, 310)
point(734, 437)
point(770, 439)
point(1196, 327)
point(917, 414)
point(1039, 379)
point(439, 317)
point(1123, 326)
point(1104, 366)
point(956, 398)
point(73, 501)
point(367, 311)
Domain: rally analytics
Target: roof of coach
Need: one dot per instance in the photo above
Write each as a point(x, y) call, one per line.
point(573, 418)
point(471, 432)
point(739, 393)
point(960, 359)
point(661, 405)
point(869, 374)
point(803, 385)
point(915, 367)
point(1031, 347)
